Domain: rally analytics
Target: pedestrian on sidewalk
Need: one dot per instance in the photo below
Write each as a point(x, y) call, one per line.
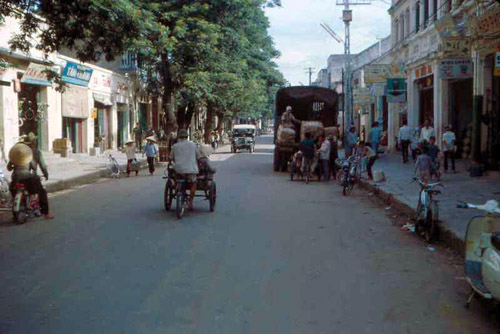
point(129, 151)
point(150, 151)
point(404, 138)
point(424, 165)
point(427, 131)
point(414, 145)
point(375, 135)
point(434, 154)
point(351, 141)
point(368, 154)
point(324, 158)
point(449, 148)
point(138, 136)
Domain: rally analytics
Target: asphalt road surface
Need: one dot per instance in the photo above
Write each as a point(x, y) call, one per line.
point(276, 257)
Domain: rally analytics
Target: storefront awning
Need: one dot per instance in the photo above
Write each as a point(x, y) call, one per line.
point(103, 99)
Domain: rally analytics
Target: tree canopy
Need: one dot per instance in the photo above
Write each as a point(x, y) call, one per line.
point(215, 54)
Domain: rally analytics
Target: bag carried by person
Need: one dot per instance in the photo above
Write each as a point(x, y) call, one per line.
point(134, 165)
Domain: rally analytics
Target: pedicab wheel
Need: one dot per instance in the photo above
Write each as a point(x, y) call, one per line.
point(179, 209)
point(430, 227)
point(168, 196)
point(212, 196)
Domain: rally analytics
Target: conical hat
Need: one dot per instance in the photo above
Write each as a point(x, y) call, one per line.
point(20, 154)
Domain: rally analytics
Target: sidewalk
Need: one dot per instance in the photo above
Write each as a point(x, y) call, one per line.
point(457, 187)
point(78, 169)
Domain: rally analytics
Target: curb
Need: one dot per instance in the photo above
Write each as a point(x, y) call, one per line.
point(86, 178)
point(445, 235)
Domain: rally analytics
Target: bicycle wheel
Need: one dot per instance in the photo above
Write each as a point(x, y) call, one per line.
point(430, 227)
point(181, 199)
point(168, 196)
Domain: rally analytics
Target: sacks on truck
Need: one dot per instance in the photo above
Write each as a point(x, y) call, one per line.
point(286, 135)
point(332, 131)
point(315, 128)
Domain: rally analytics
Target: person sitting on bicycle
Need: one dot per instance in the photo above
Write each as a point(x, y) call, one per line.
point(29, 174)
point(185, 155)
point(308, 149)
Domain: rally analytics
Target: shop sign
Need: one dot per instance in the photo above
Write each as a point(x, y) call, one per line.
point(361, 96)
point(75, 102)
point(486, 24)
point(398, 69)
point(497, 64)
point(396, 90)
point(423, 71)
point(76, 74)
point(455, 45)
point(455, 69)
point(36, 75)
point(101, 80)
point(376, 73)
point(128, 62)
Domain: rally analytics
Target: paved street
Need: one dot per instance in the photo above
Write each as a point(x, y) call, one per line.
point(276, 257)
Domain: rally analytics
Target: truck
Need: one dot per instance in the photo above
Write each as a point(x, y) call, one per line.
point(308, 103)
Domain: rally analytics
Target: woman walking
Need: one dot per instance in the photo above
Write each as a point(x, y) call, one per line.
point(150, 151)
point(129, 151)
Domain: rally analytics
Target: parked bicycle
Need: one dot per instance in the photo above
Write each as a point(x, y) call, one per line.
point(428, 210)
point(113, 167)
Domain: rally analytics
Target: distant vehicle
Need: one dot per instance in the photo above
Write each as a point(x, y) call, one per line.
point(308, 104)
point(243, 138)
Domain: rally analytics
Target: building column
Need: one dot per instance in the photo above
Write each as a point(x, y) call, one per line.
point(478, 90)
point(9, 114)
point(114, 126)
point(51, 127)
point(413, 102)
point(392, 125)
point(438, 104)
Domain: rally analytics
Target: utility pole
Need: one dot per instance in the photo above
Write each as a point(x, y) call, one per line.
point(310, 71)
point(347, 18)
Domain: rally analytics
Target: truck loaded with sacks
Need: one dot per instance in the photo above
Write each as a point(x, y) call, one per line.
point(314, 109)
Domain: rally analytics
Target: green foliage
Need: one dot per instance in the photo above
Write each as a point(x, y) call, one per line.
point(214, 53)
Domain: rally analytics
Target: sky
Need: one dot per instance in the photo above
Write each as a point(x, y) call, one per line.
point(295, 28)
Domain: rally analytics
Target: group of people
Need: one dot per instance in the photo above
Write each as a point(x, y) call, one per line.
point(325, 149)
point(425, 152)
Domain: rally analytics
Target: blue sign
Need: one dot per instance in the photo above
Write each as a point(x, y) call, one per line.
point(76, 74)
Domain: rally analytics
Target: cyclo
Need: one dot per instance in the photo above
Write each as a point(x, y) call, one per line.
point(177, 188)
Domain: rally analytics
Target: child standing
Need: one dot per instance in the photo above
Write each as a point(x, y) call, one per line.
point(424, 165)
point(434, 153)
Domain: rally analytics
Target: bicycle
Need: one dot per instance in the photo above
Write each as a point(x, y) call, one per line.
point(113, 167)
point(427, 210)
point(347, 175)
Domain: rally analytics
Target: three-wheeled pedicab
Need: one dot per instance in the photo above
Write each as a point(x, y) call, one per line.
point(243, 138)
point(177, 188)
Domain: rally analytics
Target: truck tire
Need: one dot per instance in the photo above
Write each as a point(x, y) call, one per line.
point(276, 161)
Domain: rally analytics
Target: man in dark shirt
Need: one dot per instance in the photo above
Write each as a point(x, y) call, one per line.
point(308, 148)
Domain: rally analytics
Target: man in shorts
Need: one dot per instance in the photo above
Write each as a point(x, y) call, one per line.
point(185, 155)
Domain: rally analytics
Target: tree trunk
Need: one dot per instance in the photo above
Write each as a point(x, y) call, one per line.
point(220, 122)
point(168, 95)
point(209, 123)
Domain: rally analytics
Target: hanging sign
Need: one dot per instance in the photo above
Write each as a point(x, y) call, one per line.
point(396, 90)
point(376, 73)
point(76, 74)
point(485, 24)
point(35, 75)
point(455, 69)
point(497, 64)
point(378, 89)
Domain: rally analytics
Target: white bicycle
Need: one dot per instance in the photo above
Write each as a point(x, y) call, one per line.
point(113, 167)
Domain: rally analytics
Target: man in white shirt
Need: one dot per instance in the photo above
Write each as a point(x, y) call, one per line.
point(324, 158)
point(404, 138)
point(185, 155)
point(448, 141)
point(427, 131)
